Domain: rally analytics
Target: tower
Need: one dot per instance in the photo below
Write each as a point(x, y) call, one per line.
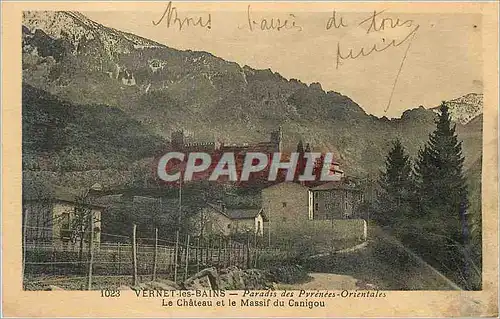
point(308, 148)
point(277, 138)
point(177, 139)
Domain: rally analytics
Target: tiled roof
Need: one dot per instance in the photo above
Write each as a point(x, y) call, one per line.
point(66, 194)
point(335, 185)
point(238, 213)
point(286, 184)
point(243, 213)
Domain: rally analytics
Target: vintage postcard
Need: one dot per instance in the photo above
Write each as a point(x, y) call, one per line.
point(249, 159)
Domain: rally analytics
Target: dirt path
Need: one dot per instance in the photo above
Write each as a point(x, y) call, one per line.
point(384, 263)
point(324, 281)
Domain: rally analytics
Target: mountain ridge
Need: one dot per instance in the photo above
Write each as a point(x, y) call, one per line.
point(166, 89)
point(464, 108)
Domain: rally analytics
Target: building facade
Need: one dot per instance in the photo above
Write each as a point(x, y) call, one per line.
point(334, 200)
point(248, 220)
point(216, 219)
point(285, 204)
point(288, 203)
point(51, 221)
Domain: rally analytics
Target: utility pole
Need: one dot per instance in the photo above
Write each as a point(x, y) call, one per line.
point(180, 204)
point(269, 222)
point(91, 250)
point(331, 236)
point(88, 195)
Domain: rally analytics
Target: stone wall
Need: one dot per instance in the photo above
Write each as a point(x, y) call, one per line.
point(285, 205)
point(341, 228)
point(317, 233)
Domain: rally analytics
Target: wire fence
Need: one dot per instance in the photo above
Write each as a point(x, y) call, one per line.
point(134, 256)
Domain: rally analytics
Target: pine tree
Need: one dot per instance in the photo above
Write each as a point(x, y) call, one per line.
point(442, 190)
point(442, 229)
point(394, 200)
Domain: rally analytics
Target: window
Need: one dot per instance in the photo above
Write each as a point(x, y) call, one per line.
point(97, 230)
point(316, 206)
point(345, 204)
point(209, 226)
point(284, 204)
point(228, 226)
point(65, 226)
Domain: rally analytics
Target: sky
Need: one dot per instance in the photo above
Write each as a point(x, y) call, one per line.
point(429, 57)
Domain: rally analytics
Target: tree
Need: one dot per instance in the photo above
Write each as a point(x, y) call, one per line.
point(442, 231)
point(81, 220)
point(441, 185)
point(394, 202)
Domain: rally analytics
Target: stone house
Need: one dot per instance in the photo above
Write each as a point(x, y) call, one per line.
point(316, 214)
point(292, 203)
point(247, 220)
point(48, 220)
point(285, 204)
point(219, 220)
point(334, 200)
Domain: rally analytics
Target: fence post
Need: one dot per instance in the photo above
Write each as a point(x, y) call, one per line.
point(134, 255)
point(167, 260)
point(237, 254)
point(211, 247)
point(187, 259)
point(198, 250)
point(240, 255)
point(209, 251)
point(231, 247)
point(228, 252)
point(255, 258)
point(54, 260)
point(115, 258)
point(176, 255)
point(91, 250)
point(155, 257)
point(169, 266)
point(225, 253)
point(249, 265)
point(119, 259)
point(220, 252)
